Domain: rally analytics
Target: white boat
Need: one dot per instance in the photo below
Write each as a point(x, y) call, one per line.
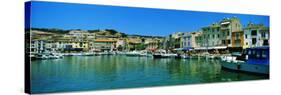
point(41, 56)
point(55, 56)
point(88, 54)
point(164, 54)
point(105, 53)
point(145, 53)
point(133, 53)
point(121, 53)
point(185, 56)
point(76, 54)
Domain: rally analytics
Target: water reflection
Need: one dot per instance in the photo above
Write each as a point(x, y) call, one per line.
point(104, 72)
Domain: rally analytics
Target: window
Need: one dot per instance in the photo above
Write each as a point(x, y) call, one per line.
point(263, 34)
point(81, 44)
point(258, 54)
point(254, 32)
point(254, 41)
point(253, 52)
point(218, 36)
point(237, 36)
point(265, 42)
point(228, 41)
point(227, 33)
point(249, 52)
point(246, 36)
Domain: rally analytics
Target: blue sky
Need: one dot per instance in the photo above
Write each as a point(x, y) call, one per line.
point(142, 21)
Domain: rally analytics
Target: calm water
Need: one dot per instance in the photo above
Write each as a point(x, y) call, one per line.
point(109, 72)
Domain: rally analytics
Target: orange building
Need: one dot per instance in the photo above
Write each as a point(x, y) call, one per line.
point(237, 39)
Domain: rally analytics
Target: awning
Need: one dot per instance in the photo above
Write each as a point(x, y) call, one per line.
point(184, 49)
point(187, 48)
point(178, 48)
point(209, 48)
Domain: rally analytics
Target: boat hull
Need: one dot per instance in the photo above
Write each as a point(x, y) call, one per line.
point(159, 56)
point(244, 67)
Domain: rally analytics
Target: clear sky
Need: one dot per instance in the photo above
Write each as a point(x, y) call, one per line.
point(142, 21)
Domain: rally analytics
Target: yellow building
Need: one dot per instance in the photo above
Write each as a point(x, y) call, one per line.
point(104, 44)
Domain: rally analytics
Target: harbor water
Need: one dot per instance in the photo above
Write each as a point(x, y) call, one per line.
point(75, 73)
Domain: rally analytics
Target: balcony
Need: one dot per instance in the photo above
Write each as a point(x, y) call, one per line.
point(224, 28)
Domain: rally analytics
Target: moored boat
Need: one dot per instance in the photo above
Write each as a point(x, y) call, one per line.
point(133, 53)
point(253, 60)
point(164, 54)
point(48, 56)
point(41, 56)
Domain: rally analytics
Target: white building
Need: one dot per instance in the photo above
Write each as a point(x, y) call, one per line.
point(256, 35)
point(189, 39)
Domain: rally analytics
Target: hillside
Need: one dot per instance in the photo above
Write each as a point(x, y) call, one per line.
point(105, 32)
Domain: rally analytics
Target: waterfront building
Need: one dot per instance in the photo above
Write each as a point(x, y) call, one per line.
point(166, 42)
point(199, 39)
point(63, 43)
point(120, 44)
point(80, 45)
point(133, 43)
point(173, 41)
point(33, 47)
point(37, 46)
point(177, 40)
point(41, 46)
point(211, 35)
point(227, 33)
point(227, 26)
point(152, 43)
point(103, 44)
point(237, 39)
point(38, 41)
point(256, 35)
point(189, 39)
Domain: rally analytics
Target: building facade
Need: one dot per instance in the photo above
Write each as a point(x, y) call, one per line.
point(211, 36)
point(104, 44)
point(256, 35)
point(189, 39)
point(227, 27)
